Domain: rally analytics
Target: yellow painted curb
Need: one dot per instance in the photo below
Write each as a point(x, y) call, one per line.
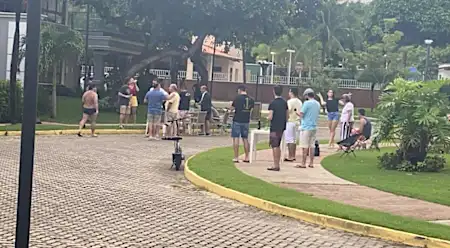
point(319, 219)
point(75, 131)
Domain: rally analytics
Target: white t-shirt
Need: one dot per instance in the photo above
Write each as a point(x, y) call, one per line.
point(294, 104)
point(348, 108)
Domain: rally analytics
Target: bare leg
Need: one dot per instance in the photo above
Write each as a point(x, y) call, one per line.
point(82, 123)
point(311, 157)
point(246, 149)
point(330, 129)
point(151, 130)
point(236, 149)
point(276, 156)
point(333, 132)
point(133, 114)
point(291, 151)
point(93, 123)
point(207, 126)
point(121, 119)
point(304, 156)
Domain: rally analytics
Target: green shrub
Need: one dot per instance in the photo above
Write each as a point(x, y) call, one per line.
point(389, 161)
point(433, 163)
point(4, 101)
point(393, 161)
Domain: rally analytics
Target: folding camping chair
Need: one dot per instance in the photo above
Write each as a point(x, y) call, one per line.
point(348, 145)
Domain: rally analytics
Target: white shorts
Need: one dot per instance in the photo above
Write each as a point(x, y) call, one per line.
point(290, 135)
point(307, 138)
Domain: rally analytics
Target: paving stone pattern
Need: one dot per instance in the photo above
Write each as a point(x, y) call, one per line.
point(117, 191)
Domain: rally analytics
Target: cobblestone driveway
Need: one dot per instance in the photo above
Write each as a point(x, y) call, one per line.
point(117, 191)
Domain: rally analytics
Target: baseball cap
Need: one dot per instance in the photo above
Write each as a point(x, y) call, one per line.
point(308, 91)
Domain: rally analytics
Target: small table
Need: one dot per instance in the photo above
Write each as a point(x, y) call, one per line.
point(254, 140)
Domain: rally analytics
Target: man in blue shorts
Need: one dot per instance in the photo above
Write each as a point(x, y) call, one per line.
point(243, 106)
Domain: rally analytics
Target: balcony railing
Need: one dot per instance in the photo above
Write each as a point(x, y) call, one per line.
point(280, 80)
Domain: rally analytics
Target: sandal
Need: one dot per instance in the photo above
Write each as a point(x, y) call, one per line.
point(273, 169)
point(289, 160)
point(246, 161)
point(235, 160)
point(310, 166)
point(300, 166)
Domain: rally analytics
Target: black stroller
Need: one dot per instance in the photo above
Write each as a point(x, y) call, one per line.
point(348, 144)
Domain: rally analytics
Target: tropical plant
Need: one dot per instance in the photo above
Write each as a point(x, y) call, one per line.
point(57, 44)
point(412, 115)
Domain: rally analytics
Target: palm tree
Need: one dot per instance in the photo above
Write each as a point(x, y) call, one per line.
point(328, 28)
point(14, 64)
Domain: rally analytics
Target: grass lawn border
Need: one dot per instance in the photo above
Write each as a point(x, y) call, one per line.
point(213, 170)
point(365, 160)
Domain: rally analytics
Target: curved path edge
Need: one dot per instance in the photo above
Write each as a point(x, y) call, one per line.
point(314, 218)
point(75, 131)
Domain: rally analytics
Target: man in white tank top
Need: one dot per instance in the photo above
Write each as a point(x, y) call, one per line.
point(293, 123)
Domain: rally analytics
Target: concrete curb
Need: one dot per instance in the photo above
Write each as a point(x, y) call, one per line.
point(75, 131)
point(319, 219)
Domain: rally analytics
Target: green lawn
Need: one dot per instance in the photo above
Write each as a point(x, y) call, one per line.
point(216, 166)
point(69, 112)
point(433, 187)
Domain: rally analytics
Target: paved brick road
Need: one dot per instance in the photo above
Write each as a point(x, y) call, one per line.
point(95, 193)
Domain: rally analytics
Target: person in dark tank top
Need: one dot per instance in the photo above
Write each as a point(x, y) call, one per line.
point(332, 106)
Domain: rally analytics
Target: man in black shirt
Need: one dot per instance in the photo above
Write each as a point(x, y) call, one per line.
point(243, 106)
point(206, 105)
point(278, 115)
point(185, 102)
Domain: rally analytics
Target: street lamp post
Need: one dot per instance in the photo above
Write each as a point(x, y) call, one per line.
point(290, 51)
point(272, 67)
point(428, 43)
point(86, 46)
point(28, 124)
point(264, 64)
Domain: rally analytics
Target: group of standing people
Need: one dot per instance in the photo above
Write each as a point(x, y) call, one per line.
point(289, 117)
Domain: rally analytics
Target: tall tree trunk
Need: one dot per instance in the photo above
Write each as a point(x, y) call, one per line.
point(54, 77)
point(14, 66)
point(200, 64)
point(324, 53)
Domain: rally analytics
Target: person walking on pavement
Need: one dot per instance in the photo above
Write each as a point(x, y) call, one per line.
point(242, 106)
point(90, 109)
point(278, 115)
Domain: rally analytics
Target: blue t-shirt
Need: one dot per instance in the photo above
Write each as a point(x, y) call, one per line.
point(155, 99)
point(311, 111)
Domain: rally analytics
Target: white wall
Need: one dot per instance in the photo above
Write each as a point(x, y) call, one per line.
point(11, 30)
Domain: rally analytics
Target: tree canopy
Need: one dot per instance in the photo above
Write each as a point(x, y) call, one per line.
point(167, 27)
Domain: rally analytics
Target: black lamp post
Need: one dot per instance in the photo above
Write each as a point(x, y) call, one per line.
point(86, 46)
point(28, 124)
point(264, 65)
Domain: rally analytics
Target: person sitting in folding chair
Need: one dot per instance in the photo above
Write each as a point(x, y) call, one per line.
point(364, 131)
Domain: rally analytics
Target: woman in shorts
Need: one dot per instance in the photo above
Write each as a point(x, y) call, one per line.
point(134, 90)
point(332, 106)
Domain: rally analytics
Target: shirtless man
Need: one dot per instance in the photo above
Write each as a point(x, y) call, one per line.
point(90, 109)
